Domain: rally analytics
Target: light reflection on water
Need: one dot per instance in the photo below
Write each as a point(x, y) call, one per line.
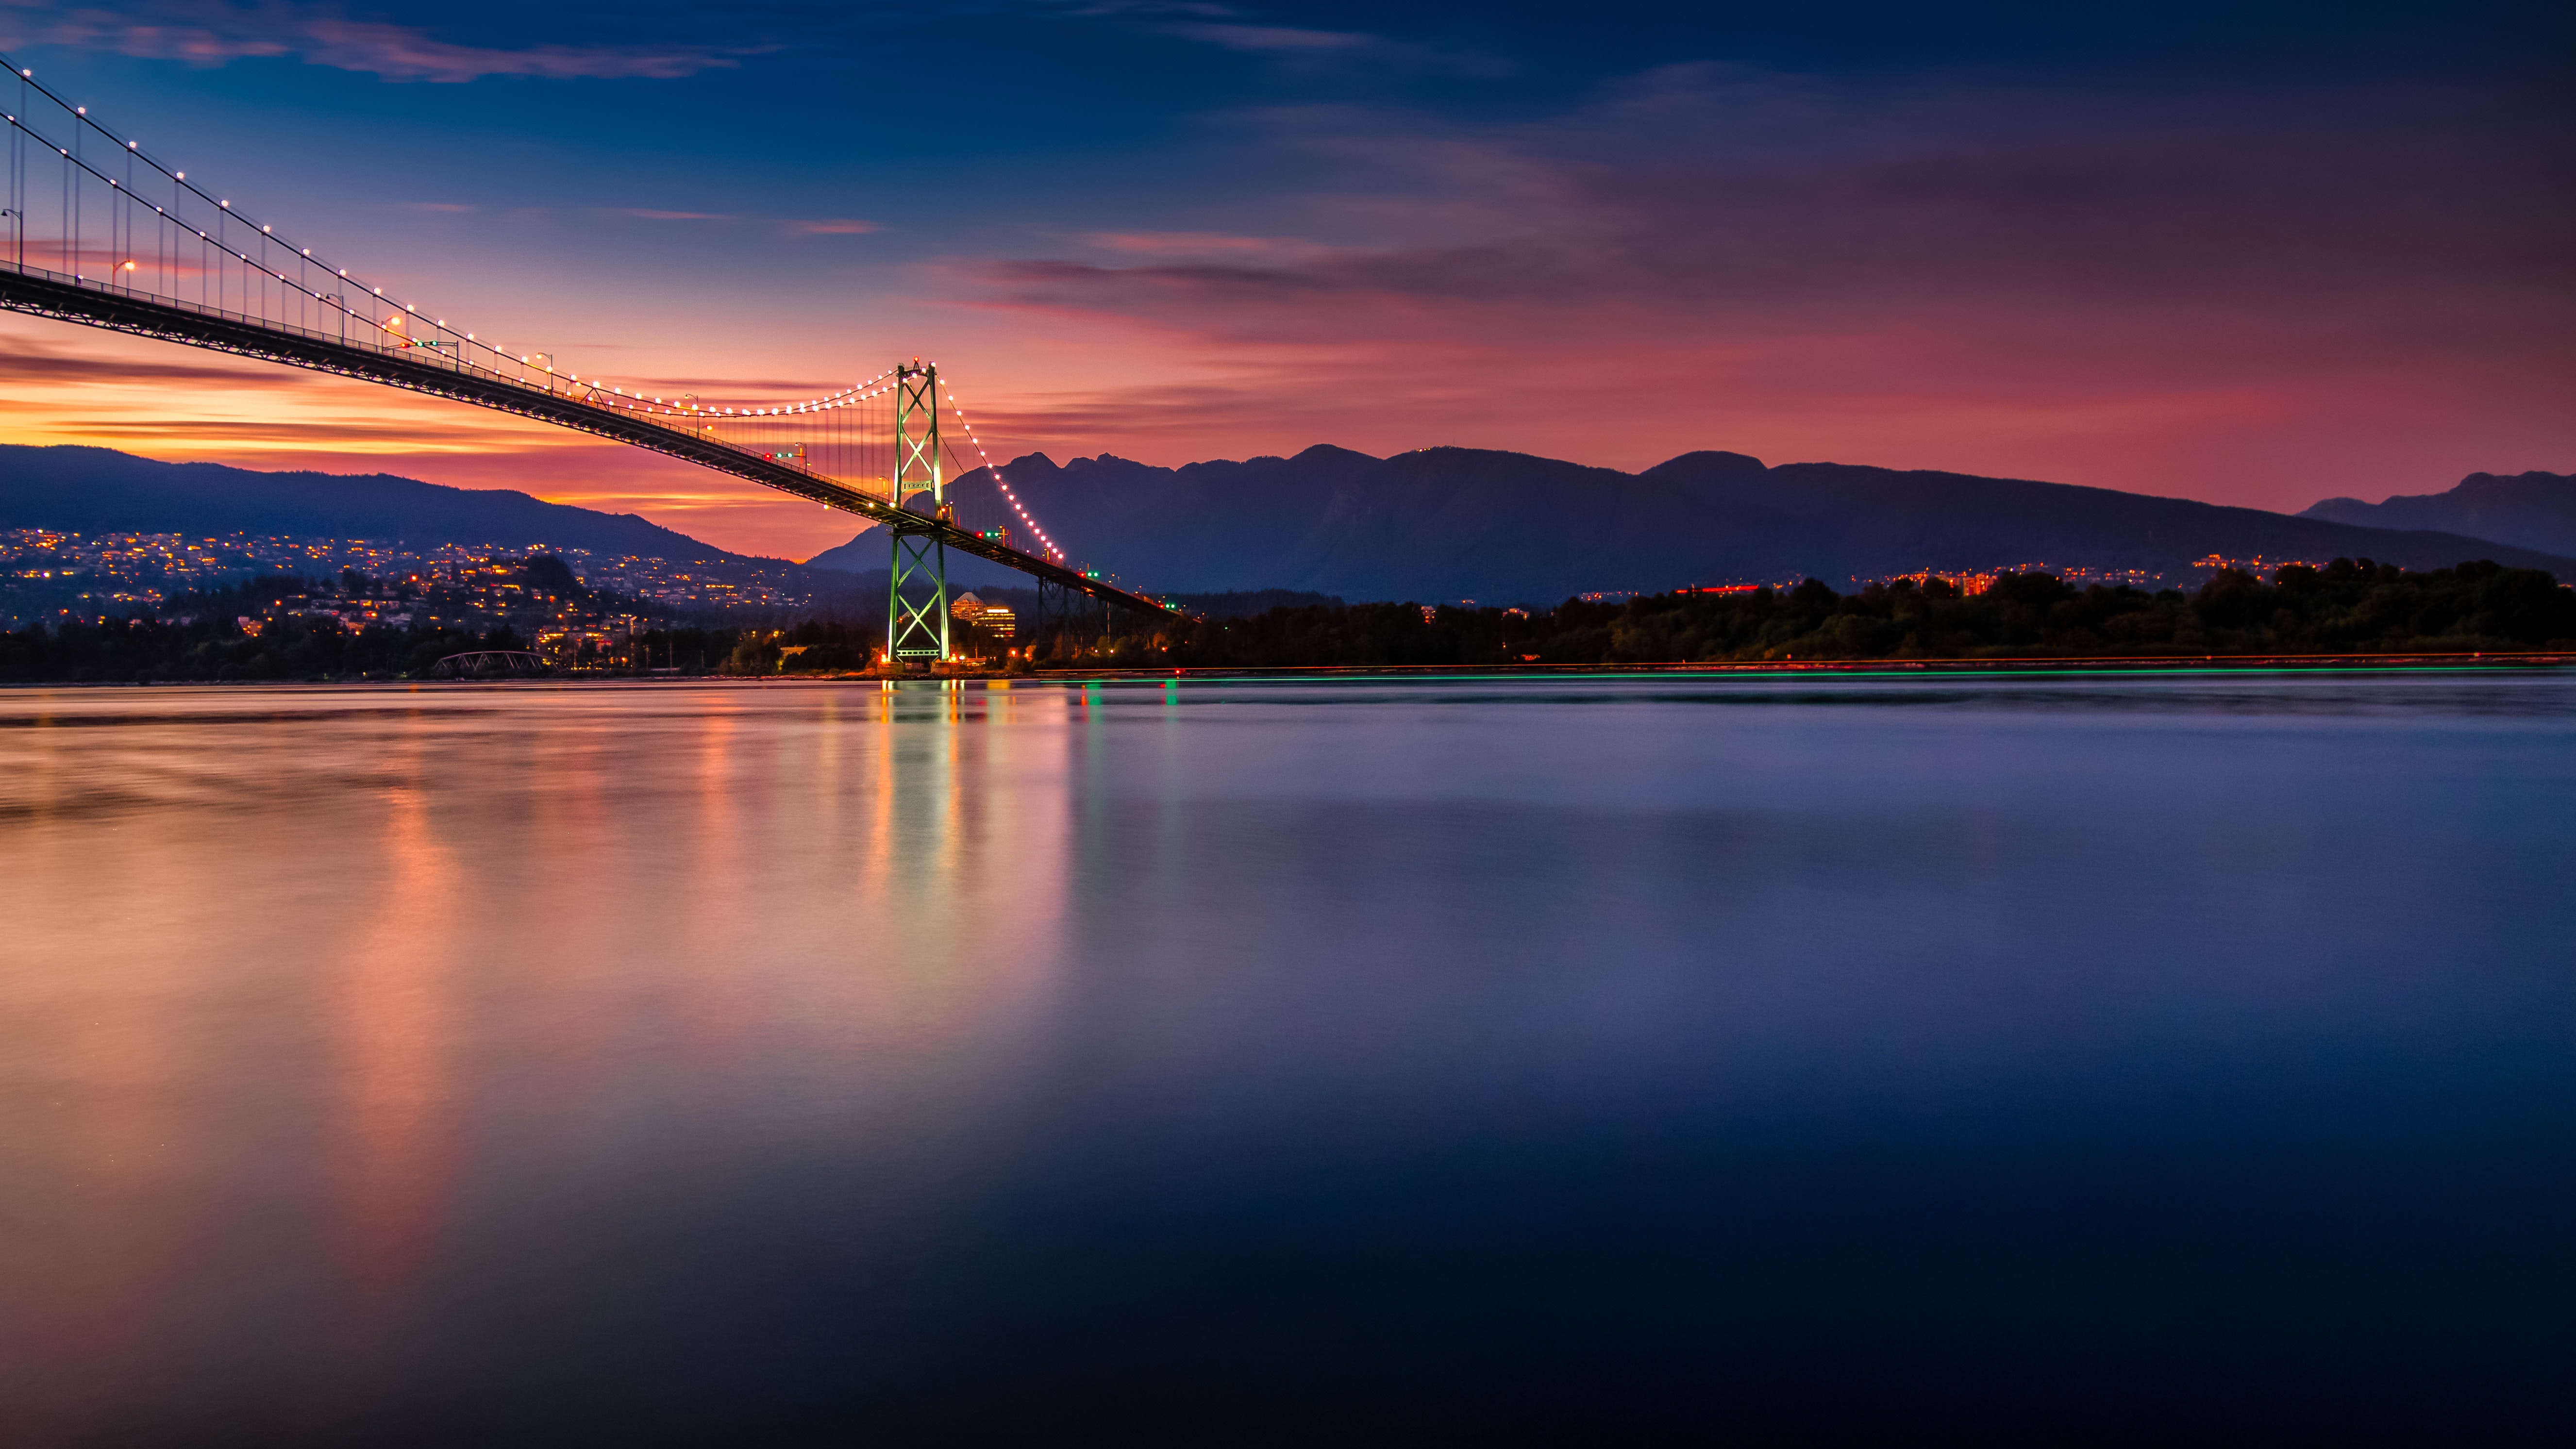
point(1231, 1059)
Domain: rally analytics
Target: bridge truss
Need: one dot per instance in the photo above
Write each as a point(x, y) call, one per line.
point(103, 233)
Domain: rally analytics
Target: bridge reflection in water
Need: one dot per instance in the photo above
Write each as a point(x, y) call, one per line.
point(399, 947)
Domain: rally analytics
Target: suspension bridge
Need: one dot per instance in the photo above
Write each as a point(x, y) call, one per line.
point(104, 233)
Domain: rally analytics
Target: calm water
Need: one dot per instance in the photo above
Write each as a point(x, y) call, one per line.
point(1210, 1063)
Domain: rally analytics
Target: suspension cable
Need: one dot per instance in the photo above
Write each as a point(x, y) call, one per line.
point(995, 470)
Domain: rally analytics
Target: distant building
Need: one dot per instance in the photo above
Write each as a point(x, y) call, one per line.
point(995, 619)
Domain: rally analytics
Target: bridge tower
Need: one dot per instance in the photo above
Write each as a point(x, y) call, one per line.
point(917, 614)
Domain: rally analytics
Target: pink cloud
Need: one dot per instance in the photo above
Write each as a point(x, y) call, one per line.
point(31, 362)
point(829, 226)
point(1205, 244)
point(2210, 306)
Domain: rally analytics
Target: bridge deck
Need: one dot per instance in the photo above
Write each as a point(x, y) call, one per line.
point(43, 293)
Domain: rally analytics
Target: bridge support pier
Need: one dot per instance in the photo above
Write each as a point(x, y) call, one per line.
point(917, 612)
point(917, 609)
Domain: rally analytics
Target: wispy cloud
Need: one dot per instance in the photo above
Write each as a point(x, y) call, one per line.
point(788, 226)
point(1198, 245)
point(1292, 47)
point(1300, 48)
point(26, 361)
point(2126, 291)
point(214, 35)
point(829, 226)
point(1652, 199)
point(334, 436)
point(1272, 38)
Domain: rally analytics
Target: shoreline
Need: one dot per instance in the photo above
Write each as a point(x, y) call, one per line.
point(2073, 664)
point(1775, 668)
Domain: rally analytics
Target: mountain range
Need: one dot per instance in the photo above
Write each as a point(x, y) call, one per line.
point(1459, 523)
point(99, 490)
point(1437, 524)
point(2535, 510)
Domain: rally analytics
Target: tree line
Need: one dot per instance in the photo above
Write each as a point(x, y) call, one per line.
point(2348, 607)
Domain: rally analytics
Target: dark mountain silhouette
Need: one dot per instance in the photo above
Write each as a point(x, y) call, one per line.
point(2527, 510)
point(98, 490)
point(1458, 523)
point(870, 553)
point(1439, 524)
point(863, 554)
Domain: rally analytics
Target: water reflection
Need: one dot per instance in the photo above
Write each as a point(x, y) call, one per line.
point(392, 1021)
point(1236, 1058)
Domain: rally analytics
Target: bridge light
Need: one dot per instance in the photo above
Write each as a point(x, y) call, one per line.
point(182, 175)
point(264, 230)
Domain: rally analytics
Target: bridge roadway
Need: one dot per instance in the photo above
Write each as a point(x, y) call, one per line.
point(43, 293)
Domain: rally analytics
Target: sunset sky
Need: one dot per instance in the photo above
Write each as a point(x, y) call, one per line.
point(2251, 254)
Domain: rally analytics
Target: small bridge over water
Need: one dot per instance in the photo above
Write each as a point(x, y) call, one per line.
point(105, 233)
